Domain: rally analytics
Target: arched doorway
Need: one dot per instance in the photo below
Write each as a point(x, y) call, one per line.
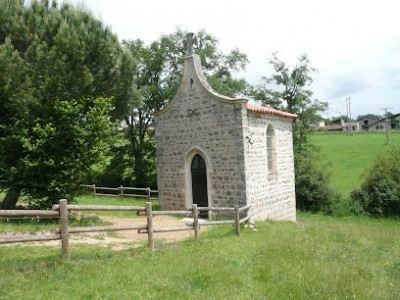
point(199, 183)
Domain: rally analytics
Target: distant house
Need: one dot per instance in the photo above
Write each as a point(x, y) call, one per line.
point(351, 126)
point(317, 124)
point(341, 125)
point(379, 125)
point(393, 123)
point(365, 122)
point(332, 128)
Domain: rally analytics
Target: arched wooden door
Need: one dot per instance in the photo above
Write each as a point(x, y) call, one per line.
point(199, 183)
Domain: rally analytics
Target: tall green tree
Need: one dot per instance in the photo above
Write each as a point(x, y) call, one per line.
point(291, 92)
point(159, 70)
point(66, 74)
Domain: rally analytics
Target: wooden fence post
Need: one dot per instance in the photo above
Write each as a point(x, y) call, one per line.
point(148, 192)
point(150, 232)
point(237, 219)
point(121, 191)
point(195, 221)
point(94, 190)
point(64, 229)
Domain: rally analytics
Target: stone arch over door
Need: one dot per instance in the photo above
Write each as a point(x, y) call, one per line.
point(197, 167)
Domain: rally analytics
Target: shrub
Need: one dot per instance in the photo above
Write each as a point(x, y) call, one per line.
point(379, 194)
point(312, 184)
point(346, 206)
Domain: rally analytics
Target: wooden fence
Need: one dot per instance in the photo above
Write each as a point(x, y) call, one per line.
point(62, 210)
point(122, 191)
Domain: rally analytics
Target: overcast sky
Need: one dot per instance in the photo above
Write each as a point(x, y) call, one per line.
point(355, 45)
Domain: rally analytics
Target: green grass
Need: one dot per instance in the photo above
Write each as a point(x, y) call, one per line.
point(319, 258)
point(347, 156)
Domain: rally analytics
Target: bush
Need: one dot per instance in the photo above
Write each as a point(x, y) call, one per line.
point(312, 184)
point(346, 206)
point(379, 194)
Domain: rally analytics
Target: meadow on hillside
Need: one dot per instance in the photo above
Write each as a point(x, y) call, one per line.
point(346, 157)
point(320, 257)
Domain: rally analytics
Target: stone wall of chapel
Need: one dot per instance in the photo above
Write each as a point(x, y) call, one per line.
point(272, 195)
point(197, 120)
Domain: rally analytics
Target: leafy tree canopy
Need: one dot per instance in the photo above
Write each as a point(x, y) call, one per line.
point(62, 74)
point(291, 93)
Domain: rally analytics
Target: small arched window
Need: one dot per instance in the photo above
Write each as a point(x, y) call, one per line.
point(271, 150)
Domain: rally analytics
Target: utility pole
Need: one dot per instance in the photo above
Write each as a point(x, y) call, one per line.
point(347, 109)
point(386, 121)
point(351, 126)
point(348, 114)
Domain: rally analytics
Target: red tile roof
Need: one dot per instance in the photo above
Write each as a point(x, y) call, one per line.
point(267, 110)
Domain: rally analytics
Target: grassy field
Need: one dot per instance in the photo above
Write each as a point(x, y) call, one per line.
point(347, 156)
point(318, 258)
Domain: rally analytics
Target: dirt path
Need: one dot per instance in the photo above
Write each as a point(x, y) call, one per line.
point(158, 222)
point(124, 238)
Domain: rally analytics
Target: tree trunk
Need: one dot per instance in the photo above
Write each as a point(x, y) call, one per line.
point(11, 199)
point(139, 169)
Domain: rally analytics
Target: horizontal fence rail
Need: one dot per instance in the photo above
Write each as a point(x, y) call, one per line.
point(122, 191)
point(62, 210)
point(100, 208)
point(28, 213)
point(101, 228)
point(31, 238)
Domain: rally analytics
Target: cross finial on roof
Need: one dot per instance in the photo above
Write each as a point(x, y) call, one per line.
point(191, 39)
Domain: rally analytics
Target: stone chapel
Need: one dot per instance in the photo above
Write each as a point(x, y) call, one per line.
point(218, 151)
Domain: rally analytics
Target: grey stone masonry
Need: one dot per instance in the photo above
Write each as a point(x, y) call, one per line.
point(231, 136)
point(271, 192)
